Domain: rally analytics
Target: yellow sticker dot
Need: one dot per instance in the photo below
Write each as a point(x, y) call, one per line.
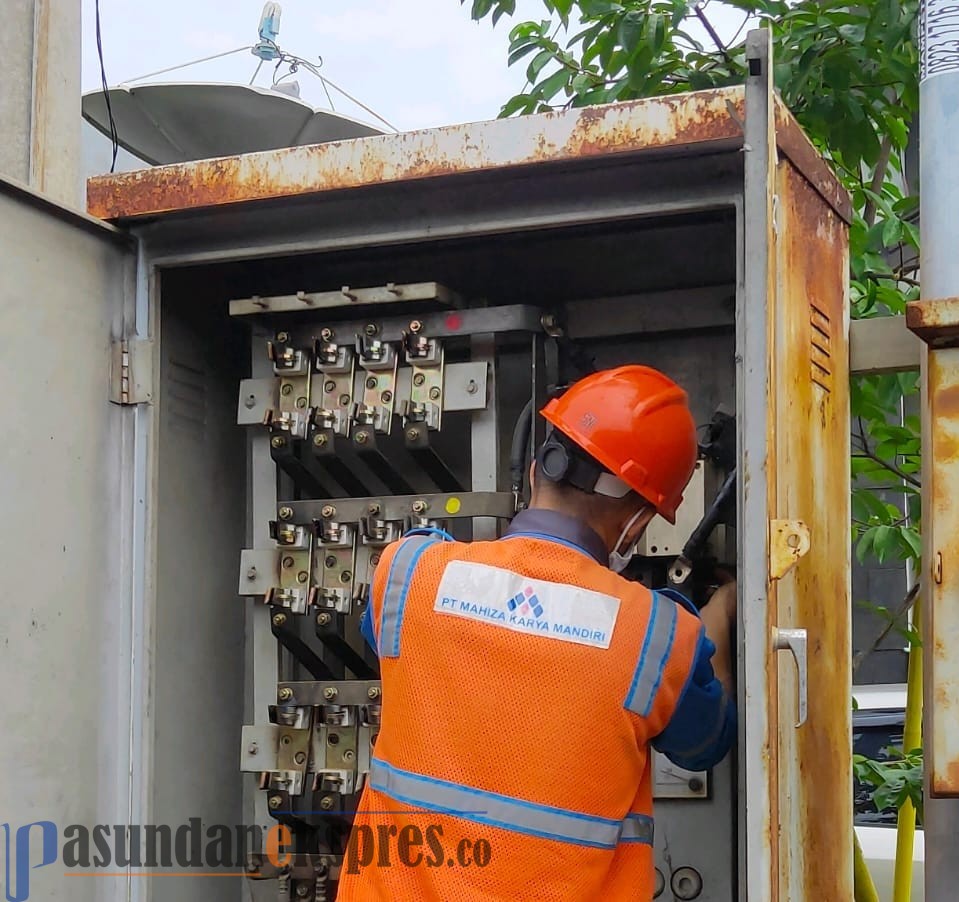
point(453, 506)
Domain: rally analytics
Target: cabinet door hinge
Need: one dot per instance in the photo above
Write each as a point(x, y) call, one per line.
point(131, 371)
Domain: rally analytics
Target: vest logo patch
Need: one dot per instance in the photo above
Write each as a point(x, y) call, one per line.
point(509, 600)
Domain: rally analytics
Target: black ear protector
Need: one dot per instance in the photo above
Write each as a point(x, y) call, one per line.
point(557, 459)
point(552, 458)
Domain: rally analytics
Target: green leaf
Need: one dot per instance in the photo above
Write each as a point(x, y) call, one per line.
point(538, 63)
point(631, 29)
point(549, 88)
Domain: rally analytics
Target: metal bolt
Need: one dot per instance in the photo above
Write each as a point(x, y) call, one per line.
point(346, 576)
point(285, 694)
point(374, 508)
point(326, 334)
point(285, 513)
point(320, 439)
point(275, 802)
point(373, 692)
point(374, 559)
point(371, 382)
point(370, 329)
point(333, 739)
point(330, 560)
point(251, 573)
point(286, 389)
point(329, 385)
point(362, 437)
point(471, 387)
point(282, 336)
point(288, 562)
point(413, 434)
point(250, 401)
point(329, 693)
point(434, 393)
point(253, 749)
point(348, 754)
point(695, 784)
point(277, 441)
point(419, 507)
point(415, 326)
point(302, 576)
point(419, 379)
point(302, 890)
point(300, 758)
point(386, 397)
point(285, 740)
point(279, 619)
point(326, 803)
point(328, 511)
point(301, 402)
point(344, 400)
point(549, 321)
point(323, 619)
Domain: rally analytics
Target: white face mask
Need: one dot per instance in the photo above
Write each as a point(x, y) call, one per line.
point(618, 561)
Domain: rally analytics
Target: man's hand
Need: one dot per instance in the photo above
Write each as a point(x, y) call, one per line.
point(725, 598)
point(719, 618)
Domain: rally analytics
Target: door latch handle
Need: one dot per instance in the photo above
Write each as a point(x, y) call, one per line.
point(794, 640)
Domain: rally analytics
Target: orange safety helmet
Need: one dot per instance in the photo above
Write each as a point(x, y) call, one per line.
point(635, 422)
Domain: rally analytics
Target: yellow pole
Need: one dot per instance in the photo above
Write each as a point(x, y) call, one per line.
point(911, 739)
point(864, 890)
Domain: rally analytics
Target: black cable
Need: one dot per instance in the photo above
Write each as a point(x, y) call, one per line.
point(114, 136)
point(519, 449)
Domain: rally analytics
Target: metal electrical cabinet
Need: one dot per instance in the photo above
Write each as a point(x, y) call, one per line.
point(310, 350)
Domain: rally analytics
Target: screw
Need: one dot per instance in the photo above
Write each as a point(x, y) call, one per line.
point(329, 385)
point(344, 400)
point(250, 401)
point(277, 441)
point(282, 336)
point(323, 619)
point(370, 329)
point(286, 389)
point(329, 693)
point(288, 562)
point(300, 758)
point(333, 739)
point(419, 379)
point(275, 802)
point(415, 326)
point(373, 692)
point(472, 387)
point(326, 334)
point(413, 434)
point(301, 402)
point(285, 694)
point(346, 576)
point(326, 803)
point(371, 382)
point(285, 513)
point(434, 393)
point(348, 754)
point(251, 574)
point(695, 785)
point(386, 397)
point(362, 437)
point(285, 740)
point(374, 559)
point(319, 439)
point(302, 890)
point(253, 749)
point(279, 619)
point(302, 576)
point(328, 511)
point(419, 507)
point(330, 560)
point(374, 508)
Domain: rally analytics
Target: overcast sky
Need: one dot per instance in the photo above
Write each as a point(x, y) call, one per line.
point(418, 63)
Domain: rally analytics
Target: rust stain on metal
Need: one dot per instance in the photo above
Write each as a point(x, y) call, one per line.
point(935, 321)
point(812, 483)
point(632, 127)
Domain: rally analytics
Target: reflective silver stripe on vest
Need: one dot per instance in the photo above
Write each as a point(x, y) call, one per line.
point(497, 810)
point(394, 597)
point(652, 659)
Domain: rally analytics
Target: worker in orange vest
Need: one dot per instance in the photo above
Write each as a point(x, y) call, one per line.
point(525, 681)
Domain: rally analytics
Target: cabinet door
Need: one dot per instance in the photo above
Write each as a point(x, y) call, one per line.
point(796, 819)
point(66, 493)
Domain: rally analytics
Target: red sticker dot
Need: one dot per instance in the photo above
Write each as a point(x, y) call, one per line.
point(453, 321)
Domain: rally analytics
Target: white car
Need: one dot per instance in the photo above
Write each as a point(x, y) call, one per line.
point(876, 725)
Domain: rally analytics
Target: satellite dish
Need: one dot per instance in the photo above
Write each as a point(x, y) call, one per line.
point(180, 122)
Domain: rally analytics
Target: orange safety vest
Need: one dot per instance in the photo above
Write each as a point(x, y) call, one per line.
point(522, 684)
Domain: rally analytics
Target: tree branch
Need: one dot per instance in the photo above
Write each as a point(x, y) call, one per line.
point(878, 179)
point(713, 34)
point(904, 608)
